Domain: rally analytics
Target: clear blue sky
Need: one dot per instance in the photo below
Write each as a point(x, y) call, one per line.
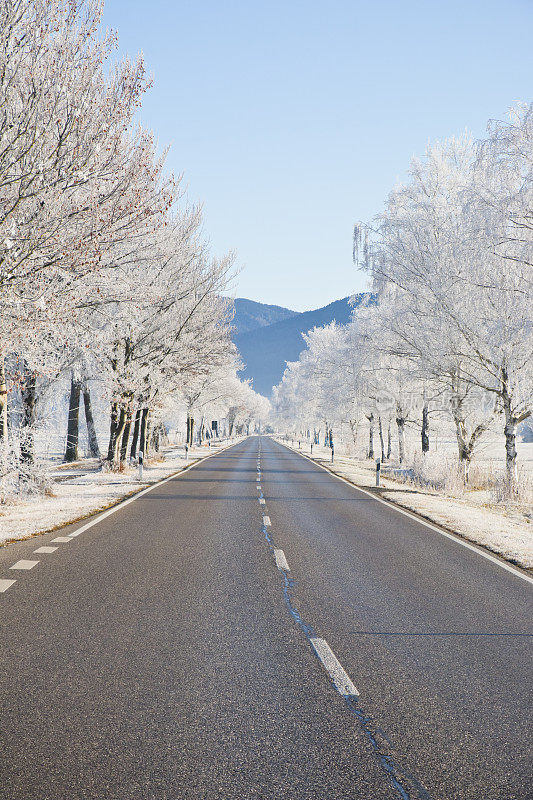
point(291, 120)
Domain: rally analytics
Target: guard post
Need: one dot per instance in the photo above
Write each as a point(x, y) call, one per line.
point(140, 458)
point(378, 470)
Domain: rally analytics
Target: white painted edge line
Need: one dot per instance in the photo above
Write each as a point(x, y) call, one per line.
point(454, 537)
point(333, 667)
point(281, 561)
point(266, 521)
point(262, 501)
point(131, 499)
point(45, 550)
point(7, 583)
point(24, 564)
point(62, 539)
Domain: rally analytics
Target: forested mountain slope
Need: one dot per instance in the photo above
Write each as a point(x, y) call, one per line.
point(265, 349)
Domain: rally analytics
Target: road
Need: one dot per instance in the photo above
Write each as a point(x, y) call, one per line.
point(199, 643)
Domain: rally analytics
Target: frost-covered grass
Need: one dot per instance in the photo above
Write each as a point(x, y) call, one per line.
point(433, 488)
point(80, 489)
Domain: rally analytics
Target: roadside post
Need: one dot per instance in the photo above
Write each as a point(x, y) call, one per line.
point(332, 452)
point(378, 470)
point(186, 452)
point(141, 461)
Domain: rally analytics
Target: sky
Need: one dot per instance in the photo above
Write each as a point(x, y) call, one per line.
point(292, 120)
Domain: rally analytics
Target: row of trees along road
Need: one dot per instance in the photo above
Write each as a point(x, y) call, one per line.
point(104, 274)
point(450, 317)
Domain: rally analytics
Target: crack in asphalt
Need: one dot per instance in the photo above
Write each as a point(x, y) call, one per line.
point(404, 783)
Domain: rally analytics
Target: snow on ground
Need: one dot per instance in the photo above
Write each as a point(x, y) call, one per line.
point(505, 530)
point(83, 489)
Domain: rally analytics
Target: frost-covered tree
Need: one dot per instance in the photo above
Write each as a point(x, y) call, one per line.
point(455, 309)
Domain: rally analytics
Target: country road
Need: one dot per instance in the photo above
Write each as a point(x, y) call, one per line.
point(257, 628)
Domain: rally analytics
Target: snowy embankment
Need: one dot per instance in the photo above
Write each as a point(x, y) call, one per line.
point(503, 529)
point(82, 489)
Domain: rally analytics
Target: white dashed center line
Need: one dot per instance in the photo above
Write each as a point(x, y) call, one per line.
point(281, 561)
point(61, 539)
point(266, 521)
point(24, 564)
point(45, 550)
point(262, 501)
point(5, 584)
point(333, 667)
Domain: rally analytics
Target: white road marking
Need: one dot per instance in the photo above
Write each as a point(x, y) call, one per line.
point(258, 480)
point(129, 500)
point(266, 521)
point(62, 539)
point(454, 537)
point(262, 501)
point(281, 561)
point(24, 564)
point(45, 550)
point(333, 667)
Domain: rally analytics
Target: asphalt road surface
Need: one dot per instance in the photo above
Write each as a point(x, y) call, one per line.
point(200, 643)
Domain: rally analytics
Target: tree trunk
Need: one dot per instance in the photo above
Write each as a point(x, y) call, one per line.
point(400, 422)
point(92, 439)
point(148, 434)
point(29, 397)
point(465, 452)
point(425, 428)
point(190, 430)
point(510, 437)
point(371, 436)
point(142, 434)
point(156, 438)
point(381, 440)
point(73, 424)
point(125, 437)
point(119, 432)
point(135, 438)
point(389, 441)
point(113, 428)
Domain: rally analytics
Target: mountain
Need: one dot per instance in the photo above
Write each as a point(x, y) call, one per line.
point(250, 315)
point(265, 349)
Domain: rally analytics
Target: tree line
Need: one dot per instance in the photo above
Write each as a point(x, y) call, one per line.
point(448, 327)
point(105, 274)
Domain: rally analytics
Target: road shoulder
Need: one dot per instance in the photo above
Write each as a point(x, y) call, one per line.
point(486, 529)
